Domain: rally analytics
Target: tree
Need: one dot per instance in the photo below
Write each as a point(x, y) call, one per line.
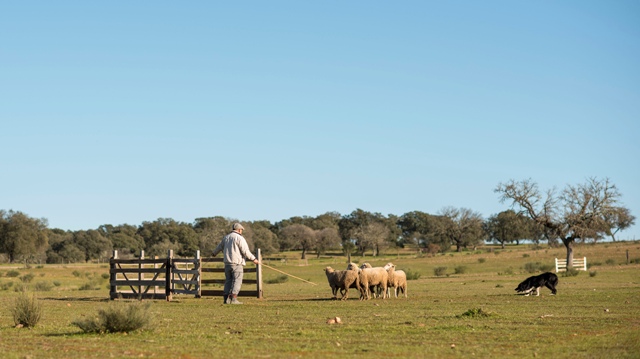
point(166, 233)
point(22, 236)
point(326, 238)
point(355, 226)
point(124, 237)
point(263, 237)
point(463, 227)
point(578, 213)
point(298, 236)
point(92, 243)
point(508, 226)
point(423, 229)
point(619, 219)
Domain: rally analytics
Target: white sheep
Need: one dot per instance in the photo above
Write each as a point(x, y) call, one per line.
point(397, 280)
point(342, 280)
point(371, 277)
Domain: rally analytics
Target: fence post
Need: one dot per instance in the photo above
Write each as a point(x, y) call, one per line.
point(585, 264)
point(259, 274)
point(112, 275)
point(169, 265)
point(140, 274)
point(198, 266)
point(556, 265)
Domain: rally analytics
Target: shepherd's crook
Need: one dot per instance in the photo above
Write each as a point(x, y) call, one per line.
point(277, 270)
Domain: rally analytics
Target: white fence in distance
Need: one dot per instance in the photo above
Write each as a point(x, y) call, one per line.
point(578, 264)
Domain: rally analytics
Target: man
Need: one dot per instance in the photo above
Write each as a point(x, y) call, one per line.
point(235, 251)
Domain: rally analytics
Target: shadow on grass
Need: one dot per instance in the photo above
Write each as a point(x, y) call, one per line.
point(78, 299)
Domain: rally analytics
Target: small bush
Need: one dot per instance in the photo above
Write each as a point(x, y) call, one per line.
point(595, 264)
point(526, 255)
point(5, 286)
point(482, 260)
point(635, 260)
point(610, 261)
point(105, 275)
point(532, 267)
point(88, 286)
point(27, 278)
point(440, 271)
point(475, 313)
point(499, 286)
point(570, 273)
point(412, 275)
point(43, 286)
point(57, 283)
point(26, 310)
point(460, 269)
point(547, 267)
point(593, 273)
point(117, 318)
point(280, 279)
point(76, 273)
point(21, 287)
point(13, 273)
point(39, 266)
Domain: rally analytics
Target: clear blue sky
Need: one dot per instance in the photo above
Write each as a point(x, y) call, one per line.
point(124, 112)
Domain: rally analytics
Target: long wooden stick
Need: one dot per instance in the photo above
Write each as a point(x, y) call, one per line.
point(277, 270)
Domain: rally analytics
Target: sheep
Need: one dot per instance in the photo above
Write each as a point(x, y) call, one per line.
point(397, 280)
point(376, 292)
point(342, 280)
point(371, 277)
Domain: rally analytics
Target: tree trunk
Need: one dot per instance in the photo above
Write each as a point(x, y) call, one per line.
point(568, 242)
point(304, 252)
point(502, 244)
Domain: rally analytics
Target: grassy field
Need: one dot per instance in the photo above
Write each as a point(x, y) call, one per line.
point(596, 314)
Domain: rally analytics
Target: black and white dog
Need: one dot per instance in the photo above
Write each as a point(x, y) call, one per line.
point(536, 282)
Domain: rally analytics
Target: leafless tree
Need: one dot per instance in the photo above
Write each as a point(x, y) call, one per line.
point(577, 213)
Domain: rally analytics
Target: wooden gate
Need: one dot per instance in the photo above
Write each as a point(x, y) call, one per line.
point(156, 278)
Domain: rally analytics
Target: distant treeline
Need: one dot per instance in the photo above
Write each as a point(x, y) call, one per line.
point(23, 238)
point(579, 213)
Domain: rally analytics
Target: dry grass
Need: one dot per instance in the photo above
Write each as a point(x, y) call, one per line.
point(592, 316)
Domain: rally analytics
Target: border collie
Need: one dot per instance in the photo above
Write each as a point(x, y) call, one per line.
point(536, 282)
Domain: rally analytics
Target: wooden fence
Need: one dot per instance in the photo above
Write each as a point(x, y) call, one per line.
point(156, 278)
point(578, 264)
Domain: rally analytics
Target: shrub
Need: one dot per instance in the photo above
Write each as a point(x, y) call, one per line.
point(499, 286)
point(12, 273)
point(412, 275)
point(43, 286)
point(532, 267)
point(635, 260)
point(117, 318)
point(482, 260)
point(76, 273)
point(27, 278)
point(526, 255)
point(475, 313)
point(460, 269)
point(280, 279)
point(21, 287)
point(105, 276)
point(608, 261)
point(57, 283)
point(547, 267)
point(5, 286)
point(87, 286)
point(26, 310)
point(593, 273)
point(440, 271)
point(570, 273)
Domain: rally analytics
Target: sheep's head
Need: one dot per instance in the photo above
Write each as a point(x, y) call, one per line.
point(352, 266)
point(365, 265)
point(328, 270)
point(389, 265)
